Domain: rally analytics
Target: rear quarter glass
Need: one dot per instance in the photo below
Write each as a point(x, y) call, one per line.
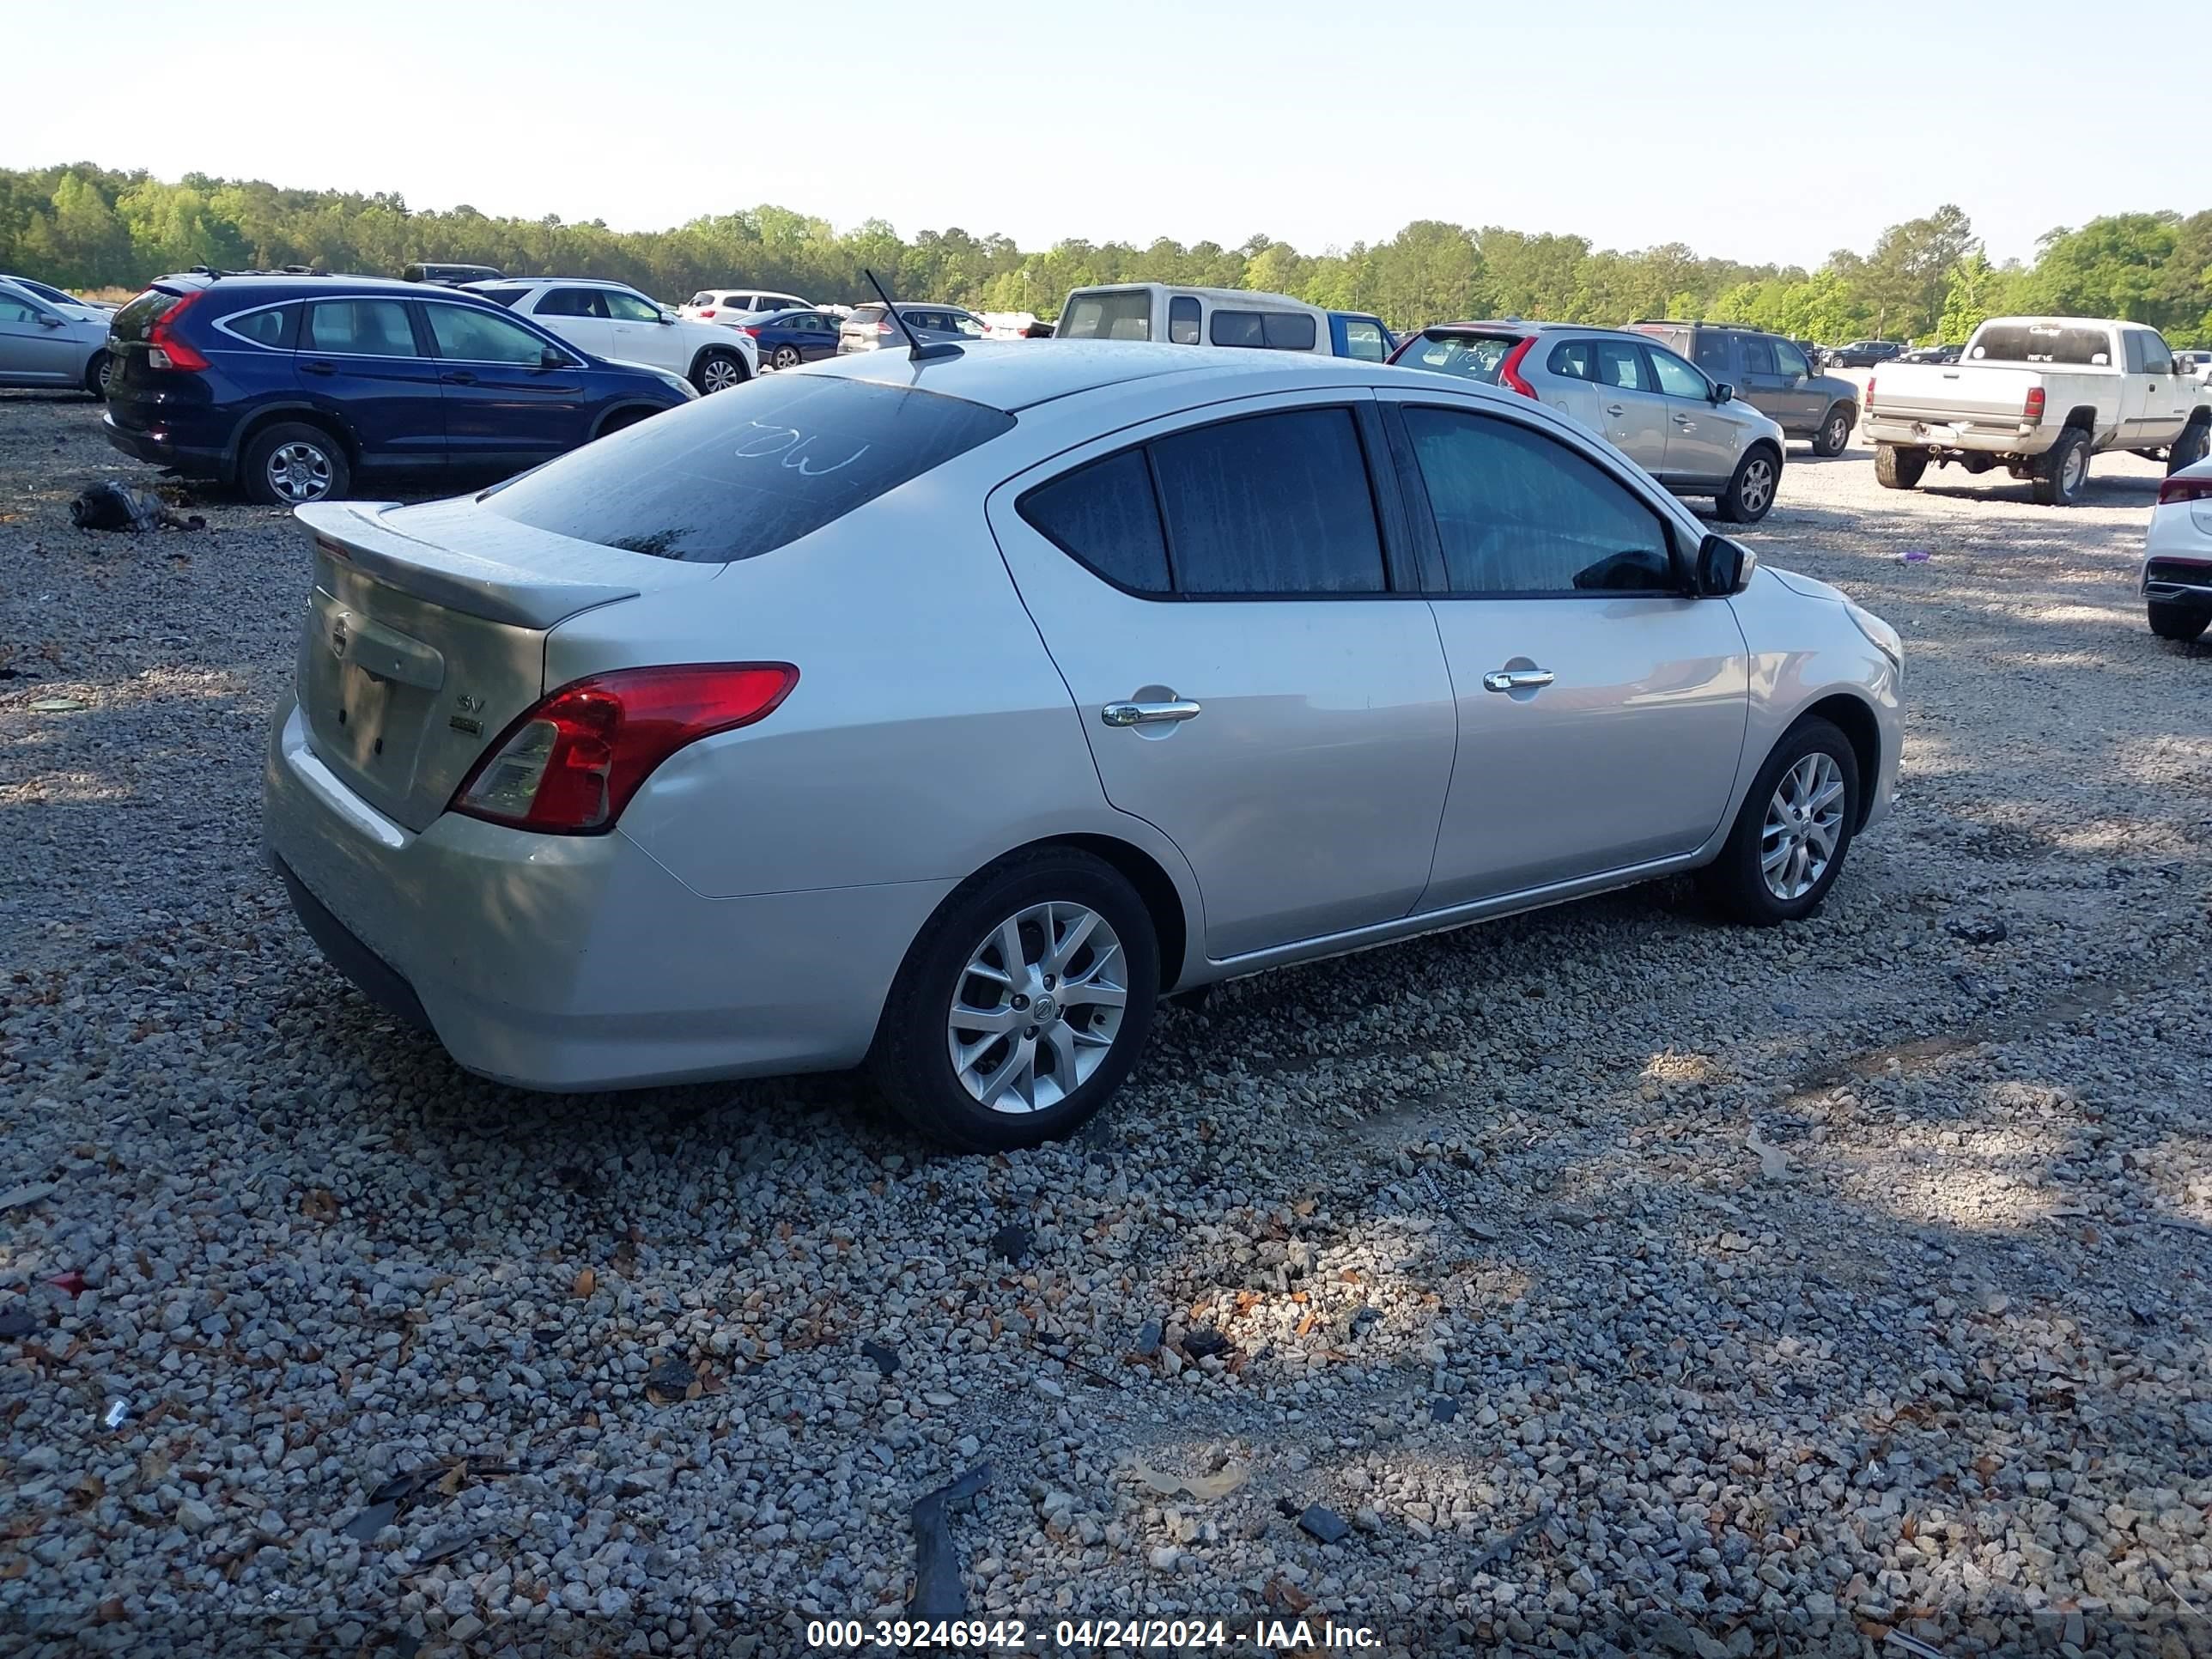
point(749, 470)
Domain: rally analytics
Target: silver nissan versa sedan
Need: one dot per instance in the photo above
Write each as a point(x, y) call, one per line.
point(944, 715)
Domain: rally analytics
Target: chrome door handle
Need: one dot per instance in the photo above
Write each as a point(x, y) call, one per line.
point(1516, 680)
point(1686, 423)
point(1150, 713)
point(1614, 408)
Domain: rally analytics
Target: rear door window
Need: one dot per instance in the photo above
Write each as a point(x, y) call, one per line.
point(1270, 504)
point(749, 470)
point(360, 328)
point(1620, 363)
point(1711, 352)
point(1758, 356)
point(572, 302)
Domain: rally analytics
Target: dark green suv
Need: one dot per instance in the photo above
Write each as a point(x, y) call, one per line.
point(1771, 374)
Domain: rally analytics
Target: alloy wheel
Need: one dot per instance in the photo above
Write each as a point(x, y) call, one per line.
point(720, 374)
point(1839, 432)
point(1038, 1008)
point(1757, 485)
point(1804, 822)
point(787, 357)
point(299, 472)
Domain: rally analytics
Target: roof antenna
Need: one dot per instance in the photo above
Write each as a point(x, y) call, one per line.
point(916, 352)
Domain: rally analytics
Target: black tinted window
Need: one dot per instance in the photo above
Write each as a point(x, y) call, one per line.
point(1237, 328)
point(1106, 515)
point(1712, 353)
point(2040, 342)
point(1271, 504)
point(1288, 330)
point(1621, 364)
point(506, 296)
point(132, 322)
point(1182, 321)
point(263, 328)
point(572, 302)
point(1758, 356)
point(749, 470)
point(1520, 512)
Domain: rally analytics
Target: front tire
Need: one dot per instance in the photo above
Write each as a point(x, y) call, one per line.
point(1835, 432)
point(2190, 447)
point(1022, 1006)
point(2064, 474)
point(2175, 622)
point(1792, 832)
point(1898, 469)
point(292, 464)
point(1750, 494)
point(96, 376)
point(718, 371)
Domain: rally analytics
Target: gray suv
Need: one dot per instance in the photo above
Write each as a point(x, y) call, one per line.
point(1771, 374)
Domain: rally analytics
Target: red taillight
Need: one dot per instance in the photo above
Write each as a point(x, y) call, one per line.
point(883, 328)
point(752, 329)
point(708, 311)
point(2184, 489)
point(2031, 410)
point(1869, 391)
point(1508, 372)
point(164, 349)
point(569, 765)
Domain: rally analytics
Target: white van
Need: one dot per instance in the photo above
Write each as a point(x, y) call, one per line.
point(1194, 316)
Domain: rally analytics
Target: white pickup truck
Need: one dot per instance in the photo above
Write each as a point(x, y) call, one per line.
point(2038, 396)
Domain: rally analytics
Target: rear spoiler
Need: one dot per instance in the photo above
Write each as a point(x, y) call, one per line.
point(555, 583)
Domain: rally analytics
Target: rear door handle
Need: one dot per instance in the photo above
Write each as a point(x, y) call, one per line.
point(317, 368)
point(1150, 713)
point(460, 377)
point(1517, 679)
point(1686, 423)
point(1614, 408)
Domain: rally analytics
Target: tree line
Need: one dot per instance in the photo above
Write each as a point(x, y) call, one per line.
point(83, 227)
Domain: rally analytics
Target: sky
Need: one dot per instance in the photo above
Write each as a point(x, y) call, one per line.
point(1776, 131)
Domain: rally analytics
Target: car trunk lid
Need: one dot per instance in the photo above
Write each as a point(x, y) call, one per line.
point(1935, 393)
point(414, 655)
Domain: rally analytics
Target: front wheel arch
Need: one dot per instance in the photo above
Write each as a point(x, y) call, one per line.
point(735, 353)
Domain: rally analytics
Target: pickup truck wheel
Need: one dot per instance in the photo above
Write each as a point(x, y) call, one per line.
point(2190, 447)
point(1750, 492)
point(1898, 469)
point(2064, 473)
point(1835, 431)
point(2175, 622)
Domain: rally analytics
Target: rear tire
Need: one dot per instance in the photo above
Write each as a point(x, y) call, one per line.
point(786, 357)
point(2190, 447)
point(1898, 469)
point(1751, 493)
point(2174, 621)
point(96, 376)
point(1835, 432)
point(1738, 880)
point(291, 464)
point(958, 961)
point(2063, 473)
point(718, 371)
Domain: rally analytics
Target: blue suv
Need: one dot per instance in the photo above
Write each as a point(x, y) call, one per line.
point(292, 384)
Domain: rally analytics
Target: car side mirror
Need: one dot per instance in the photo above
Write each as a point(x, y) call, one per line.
point(1723, 393)
point(552, 357)
point(46, 321)
point(667, 317)
point(1723, 568)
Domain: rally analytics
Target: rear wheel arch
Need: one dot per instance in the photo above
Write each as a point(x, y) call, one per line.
point(2082, 419)
point(292, 415)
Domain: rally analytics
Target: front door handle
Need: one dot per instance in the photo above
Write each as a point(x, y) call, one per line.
point(1517, 679)
point(317, 368)
point(460, 377)
point(1686, 423)
point(1150, 713)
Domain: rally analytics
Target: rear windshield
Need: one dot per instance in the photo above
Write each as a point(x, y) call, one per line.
point(1125, 316)
point(141, 314)
point(749, 470)
point(1470, 356)
point(2047, 342)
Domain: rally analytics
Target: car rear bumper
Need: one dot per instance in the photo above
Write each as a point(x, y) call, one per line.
point(159, 447)
point(568, 963)
point(1990, 437)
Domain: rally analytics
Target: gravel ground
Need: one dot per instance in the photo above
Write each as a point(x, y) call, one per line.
point(1621, 1281)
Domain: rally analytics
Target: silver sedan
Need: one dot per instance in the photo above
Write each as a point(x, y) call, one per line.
point(45, 343)
point(945, 715)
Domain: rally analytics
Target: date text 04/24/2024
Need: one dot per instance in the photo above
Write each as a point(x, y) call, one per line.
point(1088, 1635)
